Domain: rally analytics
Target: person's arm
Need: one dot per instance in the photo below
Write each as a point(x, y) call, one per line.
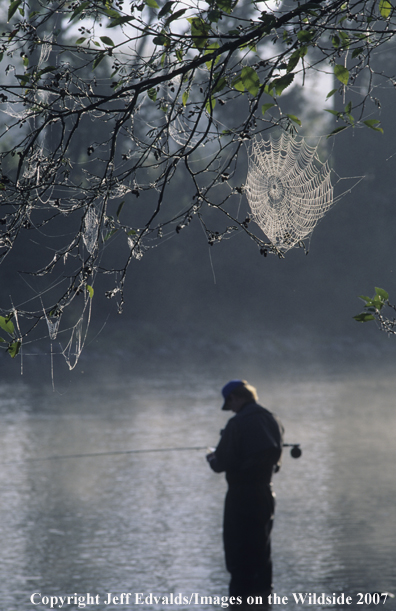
point(225, 457)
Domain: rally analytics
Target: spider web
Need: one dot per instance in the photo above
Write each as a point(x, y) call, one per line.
point(180, 130)
point(183, 126)
point(288, 188)
point(91, 226)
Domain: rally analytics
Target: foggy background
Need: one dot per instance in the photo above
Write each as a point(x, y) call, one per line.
point(194, 317)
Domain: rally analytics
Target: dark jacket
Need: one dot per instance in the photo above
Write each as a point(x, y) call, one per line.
point(250, 446)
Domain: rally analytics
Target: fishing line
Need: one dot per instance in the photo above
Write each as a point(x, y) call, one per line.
point(295, 453)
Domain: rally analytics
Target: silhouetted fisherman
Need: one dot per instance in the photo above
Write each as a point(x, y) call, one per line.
point(249, 451)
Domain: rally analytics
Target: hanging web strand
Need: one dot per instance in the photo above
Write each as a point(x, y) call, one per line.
point(288, 189)
point(90, 233)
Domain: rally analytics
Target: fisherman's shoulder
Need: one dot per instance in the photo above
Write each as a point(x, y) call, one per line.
point(258, 411)
point(254, 408)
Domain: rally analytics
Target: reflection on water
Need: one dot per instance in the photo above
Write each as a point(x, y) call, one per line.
point(151, 522)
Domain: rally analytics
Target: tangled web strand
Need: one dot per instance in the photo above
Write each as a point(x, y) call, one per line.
point(288, 188)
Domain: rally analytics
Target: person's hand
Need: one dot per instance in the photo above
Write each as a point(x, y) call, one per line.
point(211, 456)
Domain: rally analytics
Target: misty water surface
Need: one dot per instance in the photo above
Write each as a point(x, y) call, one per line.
point(151, 522)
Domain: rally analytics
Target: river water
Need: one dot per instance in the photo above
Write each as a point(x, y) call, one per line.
point(150, 522)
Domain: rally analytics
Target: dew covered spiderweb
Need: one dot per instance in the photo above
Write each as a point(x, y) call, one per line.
point(288, 188)
point(91, 226)
point(180, 130)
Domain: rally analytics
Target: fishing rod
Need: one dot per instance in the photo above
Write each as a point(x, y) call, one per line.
point(295, 452)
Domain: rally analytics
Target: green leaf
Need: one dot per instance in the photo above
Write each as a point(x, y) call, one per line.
point(221, 83)
point(294, 118)
point(79, 9)
point(378, 302)
point(185, 97)
point(152, 94)
point(364, 317)
point(98, 59)
point(269, 90)
point(79, 41)
point(266, 107)
point(305, 35)
point(337, 130)
point(210, 104)
point(225, 5)
point(120, 21)
point(368, 300)
point(341, 73)
point(295, 58)
point(45, 70)
point(12, 8)
point(372, 124)
point(237, 84)
point(293, 61)
point(382, 294)
point(151, 3)
point(2, 340)
point(331, 93)
point(213, 15)
point(165, 9)
point(332, 112)
point(90, 291)
point(14, 348)
point(345, 40)
point(107, 41)
point(250, 80)
point(357, 52)
point(110, 12)
point(280, 84)
point(175, 16)
point(7, 325)
point(199, 31)
point(350, 118)
point(24, 78)
point(385, 8)
point(269, 21)
point(160, 40)
point(210, 49)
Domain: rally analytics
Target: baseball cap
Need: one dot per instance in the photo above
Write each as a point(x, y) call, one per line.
point(228, 389)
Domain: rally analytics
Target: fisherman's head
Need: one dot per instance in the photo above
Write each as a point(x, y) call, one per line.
point(236, 394)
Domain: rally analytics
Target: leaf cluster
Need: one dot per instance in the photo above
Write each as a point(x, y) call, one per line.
point(12, 344)
point(373, 310)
